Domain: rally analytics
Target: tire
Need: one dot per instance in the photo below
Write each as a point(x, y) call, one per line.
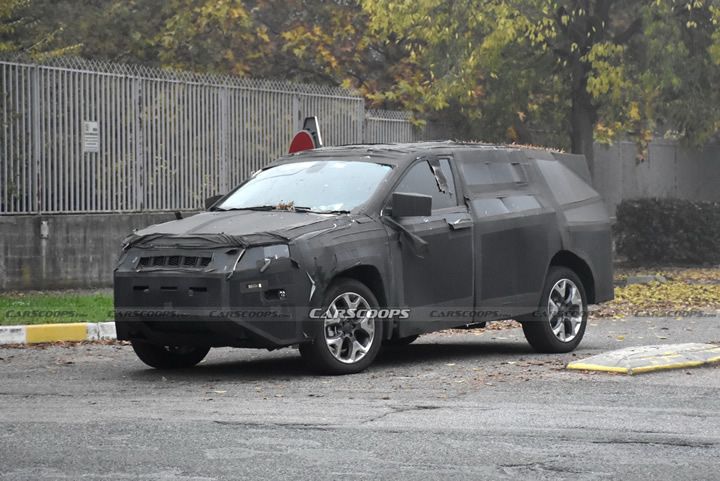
point(400, 341)
point(559, 324)
point(169, 357)
point(345, 345)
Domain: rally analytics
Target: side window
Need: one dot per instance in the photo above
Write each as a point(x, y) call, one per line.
point(489, 173)
point(433, 178)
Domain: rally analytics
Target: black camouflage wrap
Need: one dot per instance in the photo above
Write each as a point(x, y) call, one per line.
point(519, 212)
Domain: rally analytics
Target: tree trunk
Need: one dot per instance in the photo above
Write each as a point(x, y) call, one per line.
point(583, 127)
point(583, 116)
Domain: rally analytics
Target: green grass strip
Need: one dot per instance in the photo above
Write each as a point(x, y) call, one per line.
point(42, 309)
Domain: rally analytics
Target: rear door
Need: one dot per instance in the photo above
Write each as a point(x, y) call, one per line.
point(515, 231)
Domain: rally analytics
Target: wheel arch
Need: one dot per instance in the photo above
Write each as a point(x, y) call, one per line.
point(580, 268)
point(369, 275)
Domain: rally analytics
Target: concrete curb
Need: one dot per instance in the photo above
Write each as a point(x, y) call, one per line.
point(82, 331)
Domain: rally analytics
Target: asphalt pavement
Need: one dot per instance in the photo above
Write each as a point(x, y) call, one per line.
point(450, 406)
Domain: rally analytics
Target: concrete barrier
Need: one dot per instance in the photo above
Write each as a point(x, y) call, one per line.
point(65, 251)
point(82, 331)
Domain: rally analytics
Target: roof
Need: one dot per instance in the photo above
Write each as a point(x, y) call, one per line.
point(401, 153)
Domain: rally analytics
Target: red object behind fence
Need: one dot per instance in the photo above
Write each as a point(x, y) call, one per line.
point(302, 141)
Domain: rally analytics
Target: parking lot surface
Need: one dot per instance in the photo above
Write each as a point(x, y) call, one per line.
point(451, 405)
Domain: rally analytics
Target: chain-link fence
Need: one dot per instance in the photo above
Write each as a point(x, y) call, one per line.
point(84, 136)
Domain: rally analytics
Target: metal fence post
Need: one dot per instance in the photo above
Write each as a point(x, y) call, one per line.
point(224, 140)
point(297, 113)
point(139, 154)
point(36, 135)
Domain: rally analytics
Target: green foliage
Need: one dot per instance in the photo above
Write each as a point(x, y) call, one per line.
point(40, 27)
point(212, 36)
point(516, 69)
point(20, 308)
point(668, 231)
point(682, 41)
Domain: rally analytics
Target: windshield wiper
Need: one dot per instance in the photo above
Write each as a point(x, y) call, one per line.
point(274, 208)
point(331, 211)
point(318, 211)
point(256, 207)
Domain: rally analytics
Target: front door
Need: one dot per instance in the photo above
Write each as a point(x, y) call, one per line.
point(435, 269)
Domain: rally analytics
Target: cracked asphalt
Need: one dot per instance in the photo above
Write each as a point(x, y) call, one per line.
point(455, 406)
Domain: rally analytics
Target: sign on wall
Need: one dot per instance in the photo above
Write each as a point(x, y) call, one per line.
point(91, 137)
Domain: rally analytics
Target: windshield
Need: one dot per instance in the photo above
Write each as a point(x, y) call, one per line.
point(319, 186)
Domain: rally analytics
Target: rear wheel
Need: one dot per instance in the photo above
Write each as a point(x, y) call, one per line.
point(351, 335)
point(169, 357)
point(559, 324)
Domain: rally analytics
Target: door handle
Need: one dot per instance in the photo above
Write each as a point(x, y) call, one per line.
point(463, 223)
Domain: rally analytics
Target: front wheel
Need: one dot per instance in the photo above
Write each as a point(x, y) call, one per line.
point(168, 357)
point(559, 325)
point(351, 335)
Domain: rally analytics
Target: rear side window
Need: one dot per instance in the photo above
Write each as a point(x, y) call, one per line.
point(564, 183)
point(433, 178)
point(489, 173)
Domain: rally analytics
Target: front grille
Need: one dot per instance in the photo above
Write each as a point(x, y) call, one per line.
point(175, 262)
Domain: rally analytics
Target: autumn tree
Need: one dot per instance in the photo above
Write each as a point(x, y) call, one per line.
point(560, 73)
point(312, 41)
point(329, 42)
point(35, 27)
point(591, 69)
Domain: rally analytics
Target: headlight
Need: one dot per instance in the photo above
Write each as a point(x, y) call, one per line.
point(279, 251)
point(261, 257)
point(271, 253)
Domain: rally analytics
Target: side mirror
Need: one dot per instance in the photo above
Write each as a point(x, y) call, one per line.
point(210, 201)
point(411, 205)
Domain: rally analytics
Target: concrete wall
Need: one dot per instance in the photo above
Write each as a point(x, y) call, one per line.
point(79, 251)
point(669, 171)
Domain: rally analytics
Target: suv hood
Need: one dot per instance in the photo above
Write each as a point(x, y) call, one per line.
point(235, 229)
